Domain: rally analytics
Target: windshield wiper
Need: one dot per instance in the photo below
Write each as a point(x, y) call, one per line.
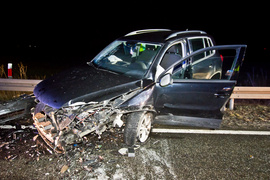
point(92, 64)
point(100, 67)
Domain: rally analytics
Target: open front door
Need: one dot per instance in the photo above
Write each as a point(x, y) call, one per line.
point(200, 85)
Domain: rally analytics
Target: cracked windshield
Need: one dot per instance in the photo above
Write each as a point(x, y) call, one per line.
point(128, 58)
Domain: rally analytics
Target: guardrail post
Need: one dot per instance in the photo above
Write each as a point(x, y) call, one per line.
point(231, 104)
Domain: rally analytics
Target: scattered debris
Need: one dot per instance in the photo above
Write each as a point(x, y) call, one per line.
point(17, 110)
point(64, 169)
point(86, 158)
point(128, 151)
point(123, 151)
point(4, 143)
point(131, 152)
point(12, 157)
point(35, 137)
point(50, 151)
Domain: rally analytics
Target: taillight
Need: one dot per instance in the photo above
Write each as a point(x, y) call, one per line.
point(221, 57)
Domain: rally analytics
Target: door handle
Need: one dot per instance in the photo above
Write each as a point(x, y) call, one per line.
point(221, 95)
point(225, 92)
point(226, 89)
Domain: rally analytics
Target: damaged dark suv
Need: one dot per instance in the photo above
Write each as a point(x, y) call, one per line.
point(145, 77)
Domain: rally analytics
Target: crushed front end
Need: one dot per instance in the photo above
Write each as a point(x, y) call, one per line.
point(68, 125)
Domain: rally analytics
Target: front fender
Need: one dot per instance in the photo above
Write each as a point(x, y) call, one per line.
point(141, 100)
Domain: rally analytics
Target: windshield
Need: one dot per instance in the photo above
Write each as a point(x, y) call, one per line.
point(128, 58)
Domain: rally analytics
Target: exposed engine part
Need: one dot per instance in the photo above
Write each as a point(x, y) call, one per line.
point(46, 131)
point(68, 125)
point(117, 121)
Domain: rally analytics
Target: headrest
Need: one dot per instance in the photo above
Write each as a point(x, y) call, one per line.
point(176, 49)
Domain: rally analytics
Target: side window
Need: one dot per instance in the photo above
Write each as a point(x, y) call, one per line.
point(219, 64)
point(197, 44)
point(207, 44)
point(172, 55)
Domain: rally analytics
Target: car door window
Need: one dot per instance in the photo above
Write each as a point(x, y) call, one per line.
point(172, 55)
point(205, 65)
point(220, 64)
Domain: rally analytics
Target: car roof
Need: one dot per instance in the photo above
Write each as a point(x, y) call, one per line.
point(160, 35)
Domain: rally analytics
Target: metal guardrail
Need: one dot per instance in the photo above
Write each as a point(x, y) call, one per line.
point(238, 93)
point(249, 93)
point(18, 84)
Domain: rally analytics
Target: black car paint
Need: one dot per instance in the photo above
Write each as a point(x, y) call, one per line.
point(187, 98)
point(83, 84)
point(196, 98)
point(182, 98)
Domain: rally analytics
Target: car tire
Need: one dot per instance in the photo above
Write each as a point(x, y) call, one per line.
point(138, 127)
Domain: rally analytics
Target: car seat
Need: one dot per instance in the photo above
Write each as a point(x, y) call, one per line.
point(172, 55)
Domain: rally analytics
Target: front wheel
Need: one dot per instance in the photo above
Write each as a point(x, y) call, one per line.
point(138, 127)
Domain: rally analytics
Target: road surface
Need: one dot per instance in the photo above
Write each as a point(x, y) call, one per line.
point(163, 156)
point(192, 156)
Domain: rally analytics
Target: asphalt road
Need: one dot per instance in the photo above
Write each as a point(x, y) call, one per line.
point(193, 156)
point(163, 156)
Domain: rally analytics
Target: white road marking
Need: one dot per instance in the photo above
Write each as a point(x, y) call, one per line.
point(206, 131)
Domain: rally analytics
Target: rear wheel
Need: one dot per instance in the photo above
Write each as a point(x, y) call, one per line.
point(138, 127)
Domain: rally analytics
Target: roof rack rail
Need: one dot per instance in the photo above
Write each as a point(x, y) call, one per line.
point(145, 31)
point(184, 32)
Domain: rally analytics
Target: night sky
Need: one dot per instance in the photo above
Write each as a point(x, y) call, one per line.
point(50, 34)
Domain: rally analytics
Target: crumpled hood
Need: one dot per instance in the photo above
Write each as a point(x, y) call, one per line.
point(83, 84)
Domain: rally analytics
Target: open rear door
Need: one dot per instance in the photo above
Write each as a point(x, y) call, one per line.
point(200, 85)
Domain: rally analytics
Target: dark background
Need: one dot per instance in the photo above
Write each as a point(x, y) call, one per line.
point(51, 37)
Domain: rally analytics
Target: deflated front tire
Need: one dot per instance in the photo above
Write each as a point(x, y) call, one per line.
point(138, 127)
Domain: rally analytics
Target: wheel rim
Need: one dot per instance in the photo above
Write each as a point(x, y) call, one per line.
point(145, 128)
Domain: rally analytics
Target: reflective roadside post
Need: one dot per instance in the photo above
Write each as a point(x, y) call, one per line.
point(9, 70)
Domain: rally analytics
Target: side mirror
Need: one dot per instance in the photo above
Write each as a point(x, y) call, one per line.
point(165, 80)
